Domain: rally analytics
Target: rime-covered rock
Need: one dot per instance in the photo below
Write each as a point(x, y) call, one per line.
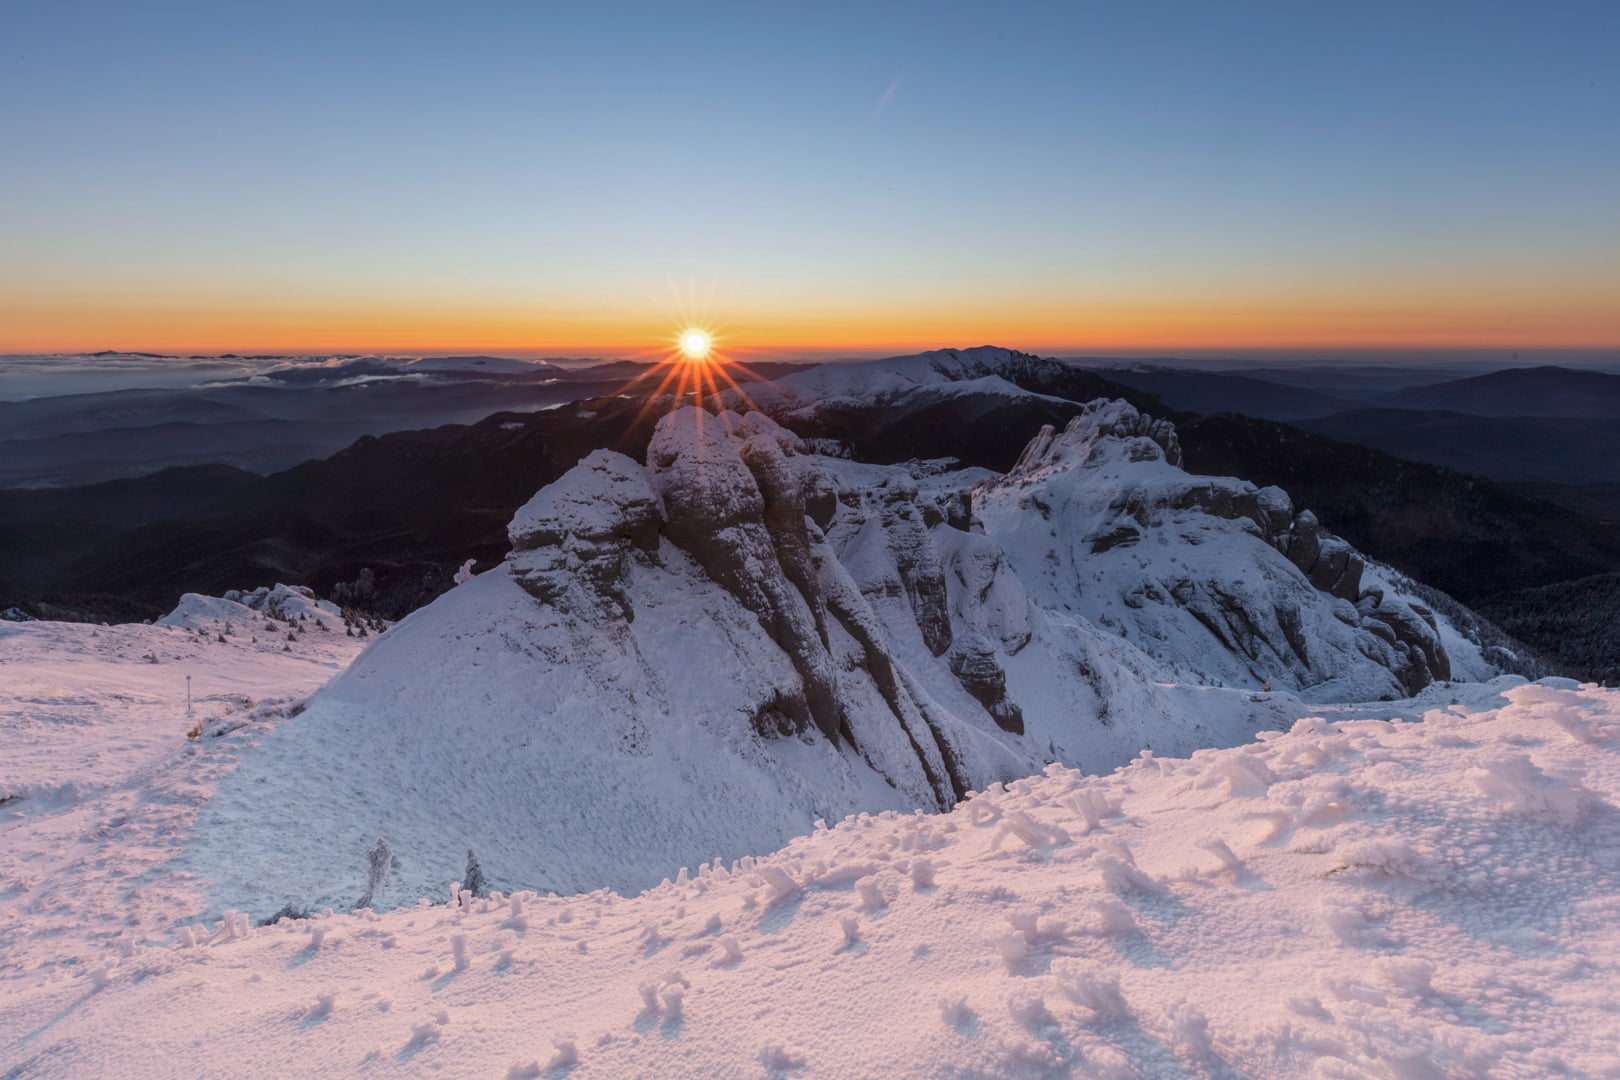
point(1206, 574)
point(571, 540)
point(973, 661)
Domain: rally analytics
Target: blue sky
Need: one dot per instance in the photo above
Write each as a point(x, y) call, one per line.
point(1089, 171)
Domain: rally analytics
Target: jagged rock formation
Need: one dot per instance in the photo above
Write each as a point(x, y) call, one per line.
point(1172, 551)
point(700, 654)
point(731, 491)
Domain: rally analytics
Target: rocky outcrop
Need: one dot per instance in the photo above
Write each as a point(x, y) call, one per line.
point(1329, 563)
point(1412, 629)
point(736, 495)
point(905, 523)
point(570, 542)
point(1177, 563)
point(1104, 429)
point(707, 469)
point(974, 663)
point(700, 654)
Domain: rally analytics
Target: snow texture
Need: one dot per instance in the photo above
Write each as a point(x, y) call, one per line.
point(1429, 888)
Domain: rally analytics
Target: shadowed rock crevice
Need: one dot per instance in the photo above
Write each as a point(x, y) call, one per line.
point(974, 663)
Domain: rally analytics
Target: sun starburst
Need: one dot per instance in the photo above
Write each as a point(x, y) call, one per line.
point(695, 343)
point(696, 371)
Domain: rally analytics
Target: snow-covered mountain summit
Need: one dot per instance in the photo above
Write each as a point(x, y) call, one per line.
point(1213, 577)
point(698, 655)
point(902, 382)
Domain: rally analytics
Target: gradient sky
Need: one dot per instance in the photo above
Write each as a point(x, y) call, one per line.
point(581, 178)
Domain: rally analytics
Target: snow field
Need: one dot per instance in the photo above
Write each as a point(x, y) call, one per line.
point(99, 784)
point(1364, 897)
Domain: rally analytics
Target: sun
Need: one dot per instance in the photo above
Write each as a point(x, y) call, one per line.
point(695, 344)
point(698, 369)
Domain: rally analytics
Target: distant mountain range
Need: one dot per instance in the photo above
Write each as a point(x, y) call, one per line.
point(276, 419)
point(1537, 391)
point(411, 505)
point(1547, 425)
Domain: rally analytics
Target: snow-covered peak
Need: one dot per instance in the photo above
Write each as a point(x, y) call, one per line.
point(1210, 575)
point(605, 495)
point(697, 655)
point(489, 365)
point(700, 654)
point(985, 370)
point(1103, 426)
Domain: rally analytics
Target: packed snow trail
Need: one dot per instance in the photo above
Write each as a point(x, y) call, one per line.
point(1377, 897)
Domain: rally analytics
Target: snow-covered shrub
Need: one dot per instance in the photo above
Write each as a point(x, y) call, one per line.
point(1113, 917)
point(1514, 781)
point(566, 1056)
point(473, 881)
point(954, 1011)
point(782, 886)
point(922, 874)
point(1190, 1027)
point(1029, 1009)
point(1013, 948)
point(777, 1058)
point(730, 952)
point(378, 860)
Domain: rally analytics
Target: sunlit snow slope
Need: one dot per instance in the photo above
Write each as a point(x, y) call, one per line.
point(1357, 898)
point(103, 769)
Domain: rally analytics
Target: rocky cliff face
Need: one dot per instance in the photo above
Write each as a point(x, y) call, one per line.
point(1209, 574)
point(732, 493)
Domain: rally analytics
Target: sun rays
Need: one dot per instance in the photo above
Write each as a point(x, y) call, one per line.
point(695, 371)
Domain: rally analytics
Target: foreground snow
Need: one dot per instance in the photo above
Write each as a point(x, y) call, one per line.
point(1362, 897)
point(100, 784)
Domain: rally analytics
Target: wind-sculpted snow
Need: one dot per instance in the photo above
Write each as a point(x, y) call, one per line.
point(1211, 576)
point(1429, 888)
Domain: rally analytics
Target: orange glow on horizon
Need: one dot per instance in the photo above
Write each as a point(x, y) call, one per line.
point(1548, 319)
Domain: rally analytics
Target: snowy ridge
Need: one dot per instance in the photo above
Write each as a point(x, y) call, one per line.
point(1213, 577)
point(103, 770)
point(698, 656)
point(288, 603)
point(1356, 898)
point(901, 381)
